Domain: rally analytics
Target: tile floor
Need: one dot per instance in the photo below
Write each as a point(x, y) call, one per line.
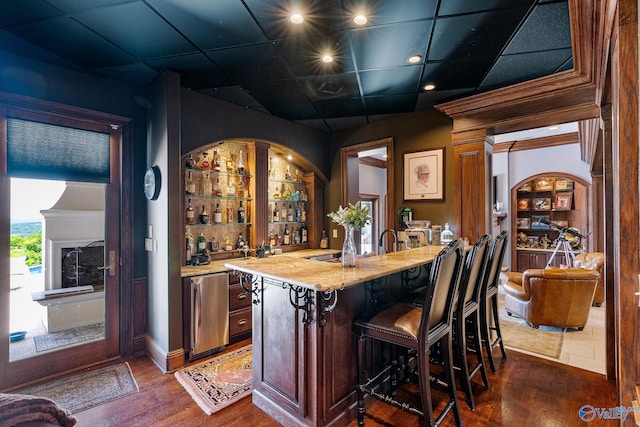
point(586, 349)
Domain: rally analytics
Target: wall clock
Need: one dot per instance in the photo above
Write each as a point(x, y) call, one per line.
point(152, 183)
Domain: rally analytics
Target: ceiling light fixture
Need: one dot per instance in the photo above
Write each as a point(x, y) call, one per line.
point(414, 59)
point(360, 19)
point(429, 86)
point(553, 127)
point(289, 157)
point(327, 58)
point(296, 18)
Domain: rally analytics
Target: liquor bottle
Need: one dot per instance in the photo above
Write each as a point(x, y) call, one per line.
point(190, 186)
point(231, 189)
point(272, 239)
point(276, 194)
point(283, 213)
point(207, 189)
point(304, 234)
point(296, 236)
point(324, 240)
point(297, 177)
point(276, 213)
point(241, 213)
point(303, 214)
point(287, 235)
point(201, 244)
point(217, 161)
point(217, 215)
point(240, 164)
point(278, 238)
point(229, 213)
point(240, 242)
point(204, 163)
point(230, 164)
point(204, 216)
point(188, 249)
point(217, 188)
point(298, 213)
point(191, 214)
point(287, 174)
point(190, 164)
point(241, 187)
point(290, 213)
point(214, 245)
point(272, 172)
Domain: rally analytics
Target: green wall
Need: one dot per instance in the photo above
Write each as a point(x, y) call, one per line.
point(411, 132)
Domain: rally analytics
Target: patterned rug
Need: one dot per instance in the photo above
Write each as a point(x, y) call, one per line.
point(87, 390)
point(518, 335)
point(69, 337)
point(219, 381)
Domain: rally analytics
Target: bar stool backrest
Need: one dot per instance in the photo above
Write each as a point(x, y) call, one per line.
point(496, 255)
point(473, 273)
point(444, 280)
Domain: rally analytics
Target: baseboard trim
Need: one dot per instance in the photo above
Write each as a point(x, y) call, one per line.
point(166, 361)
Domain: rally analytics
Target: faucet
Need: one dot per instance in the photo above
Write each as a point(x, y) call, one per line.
point(395, 238)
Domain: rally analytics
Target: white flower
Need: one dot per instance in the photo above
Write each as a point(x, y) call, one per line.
point(354, 216)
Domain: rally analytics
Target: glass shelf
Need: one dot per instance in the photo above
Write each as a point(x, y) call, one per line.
point(228, 224)
point(245, 175)
point(202, 196)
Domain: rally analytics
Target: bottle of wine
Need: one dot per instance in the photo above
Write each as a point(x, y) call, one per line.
point(304, 234)
point(217, 161)
point(217, 188)
point(188, 253)
point(204, 216)
point(201, 244)
point(191, 214)
point(287, 235)
point(276, 213)
point(240, 164)
point(217, 215)
point(190, 186)
point(241, 213)
point(207, 189)
point(324, 240)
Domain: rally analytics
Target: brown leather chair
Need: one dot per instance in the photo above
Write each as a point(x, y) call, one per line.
point(552, 296)
point(593, 261)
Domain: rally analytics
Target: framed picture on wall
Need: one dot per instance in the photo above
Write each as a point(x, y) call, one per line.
point(423, 175)
point(540, 222)
point(563, 201)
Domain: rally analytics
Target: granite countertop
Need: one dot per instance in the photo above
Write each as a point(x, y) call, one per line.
point(219, 266)
point(330, 276)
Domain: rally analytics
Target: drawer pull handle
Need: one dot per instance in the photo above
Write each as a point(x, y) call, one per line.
point(242, 296)
point(241, 322)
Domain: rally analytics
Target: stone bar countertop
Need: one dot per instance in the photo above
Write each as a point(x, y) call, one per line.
point(218, 266)
point(329, 276)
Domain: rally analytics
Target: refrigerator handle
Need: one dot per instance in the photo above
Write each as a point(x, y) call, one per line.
point(197, 318)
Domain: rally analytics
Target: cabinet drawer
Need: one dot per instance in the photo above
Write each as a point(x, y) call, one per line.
point(233, 279)
point(238, 298)
point(240, 321)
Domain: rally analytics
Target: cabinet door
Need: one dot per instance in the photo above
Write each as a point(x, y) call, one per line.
point(524, 260)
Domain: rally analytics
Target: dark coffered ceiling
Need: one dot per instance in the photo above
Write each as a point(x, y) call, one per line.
point(248, 53)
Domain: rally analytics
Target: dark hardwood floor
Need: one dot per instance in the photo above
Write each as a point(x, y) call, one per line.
point(526, 391)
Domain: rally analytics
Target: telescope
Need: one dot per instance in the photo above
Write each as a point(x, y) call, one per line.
point(572, 231)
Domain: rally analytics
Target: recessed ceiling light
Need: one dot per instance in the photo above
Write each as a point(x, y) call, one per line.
point(553, 127)
point(414, 59)
point(289, 157)
point(360, 19)
point(327, 58)
point(296, 18)
point(429, 86)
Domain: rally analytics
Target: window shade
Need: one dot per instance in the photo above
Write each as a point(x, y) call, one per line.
point(45, 151)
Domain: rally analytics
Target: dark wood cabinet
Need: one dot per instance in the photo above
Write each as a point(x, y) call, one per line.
point(542, 207)
point(239, 310)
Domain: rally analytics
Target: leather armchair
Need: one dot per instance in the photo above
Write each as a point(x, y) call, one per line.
point(593, 261)
point(552, 296)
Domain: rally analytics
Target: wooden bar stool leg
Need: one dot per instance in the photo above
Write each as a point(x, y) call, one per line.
point(362, 377)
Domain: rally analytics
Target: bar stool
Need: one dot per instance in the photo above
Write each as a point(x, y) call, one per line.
point(416, 329)
point(489, 299)
point(466, 317)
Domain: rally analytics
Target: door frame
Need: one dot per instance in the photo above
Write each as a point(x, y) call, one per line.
point(117, 307)
point(350, 180)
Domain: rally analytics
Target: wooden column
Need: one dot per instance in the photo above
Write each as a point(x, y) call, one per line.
point(625, 216)
point(472, 152)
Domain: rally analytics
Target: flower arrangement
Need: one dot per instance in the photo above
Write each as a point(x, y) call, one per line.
point(353, 216)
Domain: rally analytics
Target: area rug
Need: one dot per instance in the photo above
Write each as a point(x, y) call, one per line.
point(219, 381)
point(69, 337)
point(87, 390)
point(518, 335)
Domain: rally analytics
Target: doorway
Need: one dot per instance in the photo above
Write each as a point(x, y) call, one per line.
point(76, 262)
point(368, 174)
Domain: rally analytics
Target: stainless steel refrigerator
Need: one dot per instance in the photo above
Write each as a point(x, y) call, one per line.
point(209, 314)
